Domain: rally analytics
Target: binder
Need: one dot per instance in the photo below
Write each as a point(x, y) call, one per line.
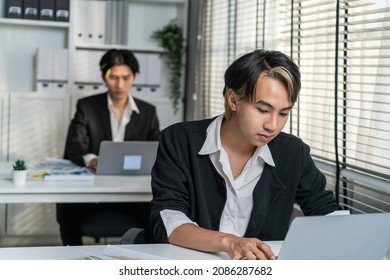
point(140, 83)
point(95, 75)
point(52, 70)
point(80, 71)
point(153, 78)
point(45, 70)
point(80, 21)
point(46, 9)
point(30, 9)
point(13, 8)
point(87, 74)
point(62, 10)
point(90, 23)
point(60, 72)
point(95, 15)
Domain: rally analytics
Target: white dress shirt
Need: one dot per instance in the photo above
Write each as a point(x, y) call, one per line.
point(118, 126)
point(239, 203)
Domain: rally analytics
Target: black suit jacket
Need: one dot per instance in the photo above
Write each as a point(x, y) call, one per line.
point(91, 125)
point(188, 182)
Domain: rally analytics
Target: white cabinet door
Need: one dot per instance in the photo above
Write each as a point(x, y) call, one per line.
point(33, 223)
point(4, 124)
point(38, 125)
point(38, 128)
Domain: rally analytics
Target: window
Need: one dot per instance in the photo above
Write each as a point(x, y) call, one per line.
point(230, 29)
point(343, 112)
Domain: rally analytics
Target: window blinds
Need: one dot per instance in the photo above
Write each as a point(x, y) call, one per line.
point(230, 29)
point(343, 50)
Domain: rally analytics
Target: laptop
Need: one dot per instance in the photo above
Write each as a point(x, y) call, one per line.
point(346, 237)
point(126, 158)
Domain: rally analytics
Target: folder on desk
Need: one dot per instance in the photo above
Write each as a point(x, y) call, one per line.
point(60, 170)
point(13, 8)
point(117, 253)
point(69, 177)
point(30, 9)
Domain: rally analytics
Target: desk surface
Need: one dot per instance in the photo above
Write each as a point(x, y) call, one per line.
point(166, 251)
point(100, 189)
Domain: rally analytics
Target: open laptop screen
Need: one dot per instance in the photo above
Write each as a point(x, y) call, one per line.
point(346, 237)
point(126, 158)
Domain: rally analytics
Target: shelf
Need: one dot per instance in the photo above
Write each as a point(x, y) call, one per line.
point(159, 1)
point(108, 47)
point(29, 22)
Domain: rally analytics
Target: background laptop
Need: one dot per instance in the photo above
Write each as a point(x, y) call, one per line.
point(126, 158)
point(346, 237)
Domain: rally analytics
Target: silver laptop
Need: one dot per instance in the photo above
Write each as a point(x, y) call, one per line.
point(346, 237)
point(126, 158)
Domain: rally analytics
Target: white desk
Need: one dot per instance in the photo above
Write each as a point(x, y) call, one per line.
point(76, 252)
point(166, 251)
point(101, 189)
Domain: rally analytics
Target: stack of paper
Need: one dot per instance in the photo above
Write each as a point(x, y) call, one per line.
point(60, 170)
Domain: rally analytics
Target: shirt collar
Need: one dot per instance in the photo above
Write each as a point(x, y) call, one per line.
point(212, 143)
point(131, 105)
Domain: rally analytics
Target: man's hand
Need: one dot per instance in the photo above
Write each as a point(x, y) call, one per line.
point(92, 165)
point(247, 248)
point(195, 237)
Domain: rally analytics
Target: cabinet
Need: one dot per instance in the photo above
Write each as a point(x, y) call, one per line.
point(94, 27)
point(37, 127)
point(34, 118)
point(4, 125)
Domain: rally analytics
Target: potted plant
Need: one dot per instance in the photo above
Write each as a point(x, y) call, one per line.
point(170, 37)
point(19, 173)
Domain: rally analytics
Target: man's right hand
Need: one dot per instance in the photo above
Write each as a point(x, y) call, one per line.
point(247, 248)
point(92, 165)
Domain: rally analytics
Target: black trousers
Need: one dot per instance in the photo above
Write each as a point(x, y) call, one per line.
point(72, 216)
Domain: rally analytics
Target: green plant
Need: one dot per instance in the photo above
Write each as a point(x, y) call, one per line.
point(20, 165)
point(170, 37)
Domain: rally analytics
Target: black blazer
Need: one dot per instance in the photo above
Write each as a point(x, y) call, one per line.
point(91, 125)
point(185, 181)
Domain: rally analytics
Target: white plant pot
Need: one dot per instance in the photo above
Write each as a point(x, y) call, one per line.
point(19, 177)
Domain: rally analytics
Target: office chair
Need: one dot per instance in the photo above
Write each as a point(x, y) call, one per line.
point(108, 224)
point(134, 236)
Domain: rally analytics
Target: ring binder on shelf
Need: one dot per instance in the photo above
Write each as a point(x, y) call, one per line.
point(62, 10)
point(46, 8)
point(30, 9)
point(13, 8)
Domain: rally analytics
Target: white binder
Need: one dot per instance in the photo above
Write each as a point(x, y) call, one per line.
point(60, 66)
point(139, 86)
point(45, 70)
point(153, 78)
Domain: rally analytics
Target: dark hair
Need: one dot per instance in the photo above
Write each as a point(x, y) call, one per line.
point(244, 73)
point(115, 57)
